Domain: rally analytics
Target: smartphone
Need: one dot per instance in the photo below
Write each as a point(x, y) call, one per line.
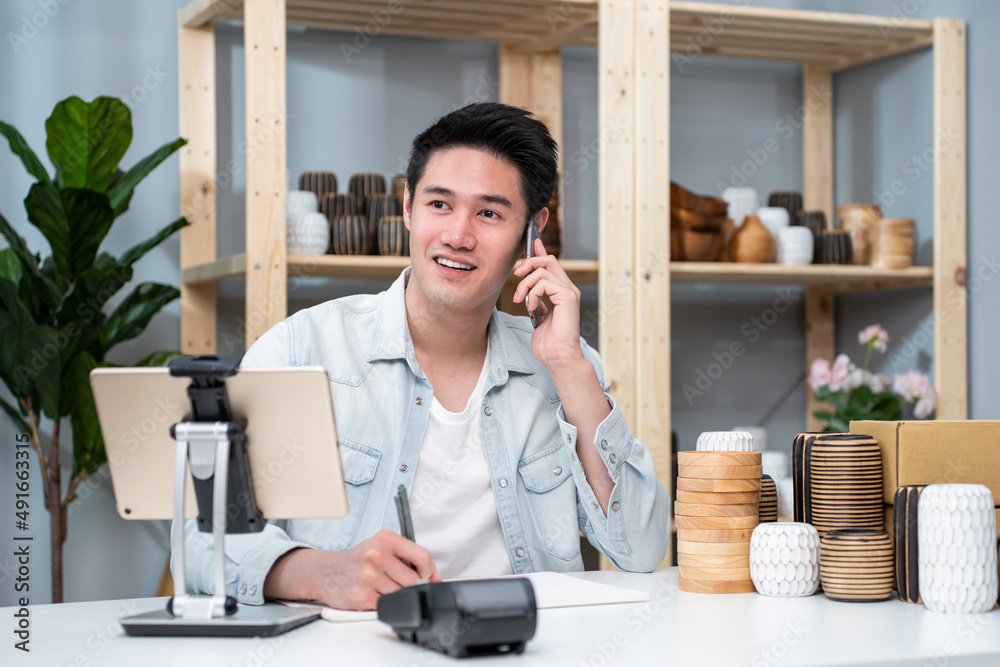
point(534, 315)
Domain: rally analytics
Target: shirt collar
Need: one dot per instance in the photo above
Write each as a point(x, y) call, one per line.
point(391, 337)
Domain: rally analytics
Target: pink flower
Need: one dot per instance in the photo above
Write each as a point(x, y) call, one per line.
point(875, 336)
point(840, 373)
point(915, 387)
point(819, 374)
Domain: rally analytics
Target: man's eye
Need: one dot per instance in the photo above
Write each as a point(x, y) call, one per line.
point(491, 214)
point(438, 204)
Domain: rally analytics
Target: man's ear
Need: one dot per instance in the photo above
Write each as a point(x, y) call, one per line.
point(406, 206)
point(542, 219)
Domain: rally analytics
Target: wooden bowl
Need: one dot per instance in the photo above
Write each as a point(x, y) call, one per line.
point(691, 220)
point(683, 199)
point(700, 245)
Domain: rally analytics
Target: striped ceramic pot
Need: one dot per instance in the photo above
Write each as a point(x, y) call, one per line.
point(349, 235)
point(320, 182)
point(334, 205)
point(363, 186)
point(837, 247)
point(393, 237)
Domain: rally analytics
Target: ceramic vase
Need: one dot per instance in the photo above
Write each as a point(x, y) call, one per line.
point(334, 205)
point(768, 510)
point(307, 234)
point(319, 182)
point(300, 202)
point(752, 243)
point(774, 218)
point(725, 441)
point(795, 246)
point(399, 189)
point(958, 558)
point(349, 235)
point(363, 186)
point(815, 221)
point(742, 202)
point(791, 201)
point(759, 434)
point(892, 243)
point(857, 219)
point(377, 207)
point(856, 565)
point(846, 482)
point(906, 538)
point(837, 247)
point(784, 559)
point(393, 237)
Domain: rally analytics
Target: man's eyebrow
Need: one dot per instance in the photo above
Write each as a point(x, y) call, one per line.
point(489, 199)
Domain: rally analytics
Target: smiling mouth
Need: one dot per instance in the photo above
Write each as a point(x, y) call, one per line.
point(453, 265)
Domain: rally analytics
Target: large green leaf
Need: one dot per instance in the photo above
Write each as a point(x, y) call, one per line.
point(20, 148)
point(122, 189)
point(134, 313)
point(133, 254)
point(11, 336)
point(50, 293)
point(88, 447)
point(11, 275)
point(86, 141)
point(15, 416)
point(73, 220)
point(123, 204)
point(38, 361)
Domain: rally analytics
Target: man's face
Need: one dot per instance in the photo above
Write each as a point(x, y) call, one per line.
point(466, 223)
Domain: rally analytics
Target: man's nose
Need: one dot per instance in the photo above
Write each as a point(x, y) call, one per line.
point(460, 233)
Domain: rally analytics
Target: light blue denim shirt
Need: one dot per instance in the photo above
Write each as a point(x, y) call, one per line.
point(382, 399)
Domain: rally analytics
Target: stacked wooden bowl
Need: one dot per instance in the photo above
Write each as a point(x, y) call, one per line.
point(845, 476)
point(892, 243)
point(696, 224)
point(718, 493)
point(856, 565)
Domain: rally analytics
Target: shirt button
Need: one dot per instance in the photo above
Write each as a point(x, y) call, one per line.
point(253, 591)
point(503, 482)
point(604, 444)
point(419, 401)
point(593, 503)
point(488, 411)
point(615, 506)
point(403, 468)
point(612, 458)
point(557, 470)
point(520, 552)
point(569, 438)
point(243, 589)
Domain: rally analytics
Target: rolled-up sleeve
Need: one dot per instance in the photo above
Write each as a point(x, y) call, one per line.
point(634, 535)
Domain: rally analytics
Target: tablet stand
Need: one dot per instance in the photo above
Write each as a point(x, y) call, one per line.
point(215, 446)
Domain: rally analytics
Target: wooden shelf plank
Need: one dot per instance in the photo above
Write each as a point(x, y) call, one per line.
point(580, 271)
point(814, 274)
point(836, 39)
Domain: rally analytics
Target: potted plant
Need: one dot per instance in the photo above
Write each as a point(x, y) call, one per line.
point(857, 393)
point(53, 327)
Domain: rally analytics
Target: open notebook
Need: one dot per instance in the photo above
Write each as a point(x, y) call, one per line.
point(552, 589)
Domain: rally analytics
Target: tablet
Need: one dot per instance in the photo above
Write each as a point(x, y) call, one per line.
point(291, 439)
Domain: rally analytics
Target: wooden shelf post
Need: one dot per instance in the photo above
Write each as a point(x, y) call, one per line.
point(196, 96)
point(951, 360)
point(266, 268)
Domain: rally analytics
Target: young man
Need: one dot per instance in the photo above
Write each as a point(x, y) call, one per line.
point(503, 434)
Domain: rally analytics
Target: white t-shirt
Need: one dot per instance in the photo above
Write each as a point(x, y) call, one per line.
point(454, 512)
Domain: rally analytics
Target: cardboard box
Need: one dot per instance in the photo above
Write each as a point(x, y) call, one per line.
point(936, 452)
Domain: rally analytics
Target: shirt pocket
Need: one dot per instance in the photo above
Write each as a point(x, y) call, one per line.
point(360, 464)
point(552, 498)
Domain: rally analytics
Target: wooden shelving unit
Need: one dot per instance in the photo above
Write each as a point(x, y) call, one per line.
point(636, 41)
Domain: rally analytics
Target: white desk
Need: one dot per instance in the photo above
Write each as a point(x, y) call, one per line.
point(675, 628)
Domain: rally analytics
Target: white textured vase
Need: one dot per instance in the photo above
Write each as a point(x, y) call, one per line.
point(784, 559)
point(774, 218)
point(300, 202)
point(957, 543)
point(308, 234)
point(742, 202)
point(725, 441)
point(795, 246)
point(759, 434)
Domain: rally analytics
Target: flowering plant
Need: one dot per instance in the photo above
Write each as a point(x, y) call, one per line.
point(857, 393)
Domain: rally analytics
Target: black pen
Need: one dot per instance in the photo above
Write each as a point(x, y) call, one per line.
point(405, 520)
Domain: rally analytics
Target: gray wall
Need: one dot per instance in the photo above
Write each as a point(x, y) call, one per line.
point(361, 115)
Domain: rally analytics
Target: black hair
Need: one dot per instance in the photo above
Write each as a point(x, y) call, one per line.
point(508, 133)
